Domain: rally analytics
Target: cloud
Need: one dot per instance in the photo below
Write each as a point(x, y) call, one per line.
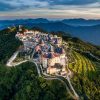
point(70, 2)
point(50, 8)
point(26, 4)
point(21, 4)
point(5, 7)
point(72, 12)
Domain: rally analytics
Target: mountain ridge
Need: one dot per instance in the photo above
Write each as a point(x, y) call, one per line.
point(89, 33)
point(78, 21)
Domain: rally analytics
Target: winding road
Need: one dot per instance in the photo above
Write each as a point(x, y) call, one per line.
point(13, 57)
point(46, 76)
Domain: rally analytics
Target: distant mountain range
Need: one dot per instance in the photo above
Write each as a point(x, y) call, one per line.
point(88, 30)
point(81, 22)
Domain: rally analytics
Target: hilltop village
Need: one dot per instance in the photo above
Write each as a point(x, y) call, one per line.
point(44, 49)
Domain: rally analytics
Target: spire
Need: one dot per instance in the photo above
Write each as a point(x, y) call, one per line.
point(51, 49)
point(49, 38)
point(42, 42)
point(56, 41)
point(20, 28)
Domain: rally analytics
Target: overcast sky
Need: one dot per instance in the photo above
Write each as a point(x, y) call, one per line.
point(53, 9)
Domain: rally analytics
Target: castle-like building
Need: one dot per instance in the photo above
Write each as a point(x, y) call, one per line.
point(47, 49)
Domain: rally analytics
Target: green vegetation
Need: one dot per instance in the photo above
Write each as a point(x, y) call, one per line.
point(86, 69)
point(82, 65)
point(19, 58)
point(22, 83)
point(84, 47)
point(8, 44)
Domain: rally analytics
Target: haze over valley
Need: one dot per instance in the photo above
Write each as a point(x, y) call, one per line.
point(87, 30)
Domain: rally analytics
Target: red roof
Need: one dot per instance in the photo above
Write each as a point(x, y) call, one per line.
point(37, 48)
point(52, 55)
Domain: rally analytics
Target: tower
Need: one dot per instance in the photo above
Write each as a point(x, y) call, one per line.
point(51, 49)
point(20, 28)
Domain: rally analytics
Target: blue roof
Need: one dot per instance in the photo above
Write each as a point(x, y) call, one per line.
point(58, 50)
point(49, 55)
point(36, 55)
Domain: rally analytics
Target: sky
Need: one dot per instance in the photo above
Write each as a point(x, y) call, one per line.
point(51, 9)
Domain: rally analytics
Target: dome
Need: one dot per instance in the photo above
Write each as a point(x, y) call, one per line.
point(55, 36)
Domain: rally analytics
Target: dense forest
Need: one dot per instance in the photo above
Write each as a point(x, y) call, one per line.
point(22, 83)
point(8, 44)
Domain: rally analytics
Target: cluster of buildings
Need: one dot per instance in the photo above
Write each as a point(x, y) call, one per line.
point(45, 49)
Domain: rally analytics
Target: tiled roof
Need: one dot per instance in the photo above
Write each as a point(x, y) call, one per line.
point(59, 50)
point(50, 55)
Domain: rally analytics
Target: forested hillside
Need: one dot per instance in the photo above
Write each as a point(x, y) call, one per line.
point(85, 65)
point(22, 82)
point(8, 44)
